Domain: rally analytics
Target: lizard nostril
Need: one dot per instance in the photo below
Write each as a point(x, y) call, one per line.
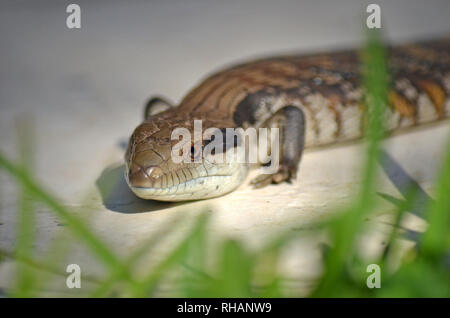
point(154, 172)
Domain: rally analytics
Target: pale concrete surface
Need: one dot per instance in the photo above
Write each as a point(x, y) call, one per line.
point(85, 89)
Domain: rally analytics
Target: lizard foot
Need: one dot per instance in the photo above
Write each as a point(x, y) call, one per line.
point(283, 174)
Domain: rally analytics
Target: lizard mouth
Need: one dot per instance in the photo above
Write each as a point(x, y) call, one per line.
point(176, 186)
point(194, 189)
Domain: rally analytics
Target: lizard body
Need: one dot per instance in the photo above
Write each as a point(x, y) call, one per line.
point(314, 99)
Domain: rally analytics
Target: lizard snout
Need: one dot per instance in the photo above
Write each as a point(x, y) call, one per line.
point(145, 177)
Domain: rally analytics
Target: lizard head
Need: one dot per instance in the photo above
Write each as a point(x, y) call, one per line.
point(152, 172)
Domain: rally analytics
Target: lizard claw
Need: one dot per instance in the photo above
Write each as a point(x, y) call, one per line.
point(283, 174)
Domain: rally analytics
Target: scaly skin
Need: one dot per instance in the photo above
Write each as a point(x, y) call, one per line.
point(315, 99)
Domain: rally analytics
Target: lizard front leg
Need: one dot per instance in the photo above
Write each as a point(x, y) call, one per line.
point(291, 122)
point(156, 105)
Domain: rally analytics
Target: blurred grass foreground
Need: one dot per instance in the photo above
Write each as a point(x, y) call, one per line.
point(238, 272)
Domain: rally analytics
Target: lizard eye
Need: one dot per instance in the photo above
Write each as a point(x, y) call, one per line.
point(195, 151)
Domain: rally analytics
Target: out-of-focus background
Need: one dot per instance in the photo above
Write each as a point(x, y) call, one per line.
point(83, 92)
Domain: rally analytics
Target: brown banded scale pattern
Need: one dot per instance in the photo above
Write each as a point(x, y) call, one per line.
point(327, 86)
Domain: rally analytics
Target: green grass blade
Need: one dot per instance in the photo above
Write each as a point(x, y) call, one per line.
point(346, 227)
point(235, 270)
point(119, 274)
point(436, 240)
point(25, 279)
point(147, 286)
point(85, 235)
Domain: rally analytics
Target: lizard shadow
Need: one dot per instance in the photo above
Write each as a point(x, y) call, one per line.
point(117, 196)
point(406, 185)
